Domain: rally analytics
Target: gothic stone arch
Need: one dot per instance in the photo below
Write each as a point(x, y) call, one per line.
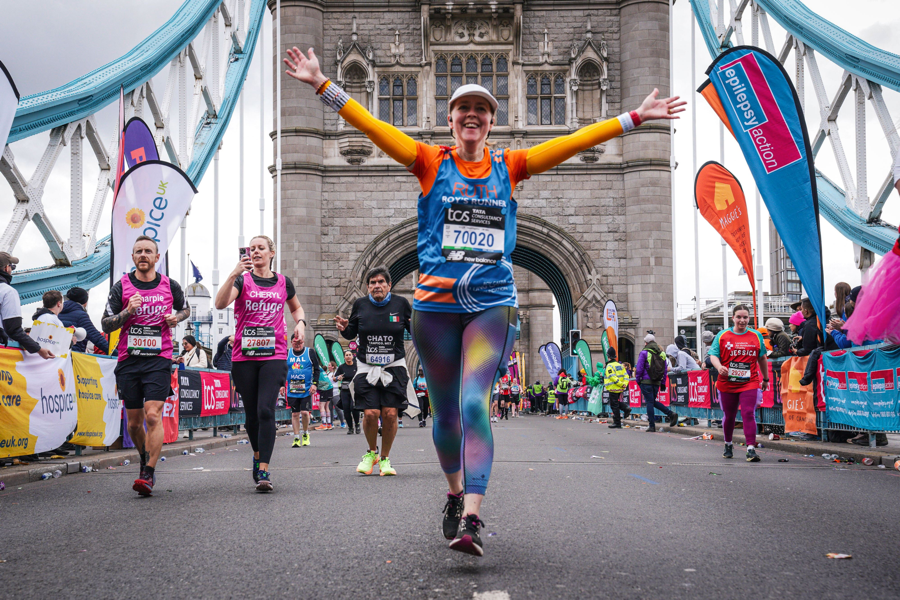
point(541, 247)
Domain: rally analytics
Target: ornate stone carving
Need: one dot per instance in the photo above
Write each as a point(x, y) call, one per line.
point(506, 30)
point(591, 155)
point(591, 304)
point(340, 49)
point(437, 33)
point(471, 31)
point(355, 149)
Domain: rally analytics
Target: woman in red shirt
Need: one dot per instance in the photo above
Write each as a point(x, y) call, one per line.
point(739, 355)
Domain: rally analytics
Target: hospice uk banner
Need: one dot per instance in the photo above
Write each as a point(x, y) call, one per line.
point(861, 389)
point(9, 100)
point(38, 409)
point(798, 401)
point(720, 199)
point(153, 198)
point(99, 409)
point(752, 94)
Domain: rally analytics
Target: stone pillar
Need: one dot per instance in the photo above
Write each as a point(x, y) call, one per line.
point(535, 301)
point(644, 26)
point(302, 135)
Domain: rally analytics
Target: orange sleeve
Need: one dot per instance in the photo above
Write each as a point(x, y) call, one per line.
point(394, 142)
point(553, 152)
point(427, 162)
point(517, 164)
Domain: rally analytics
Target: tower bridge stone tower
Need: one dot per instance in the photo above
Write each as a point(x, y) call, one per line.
point(594, 228)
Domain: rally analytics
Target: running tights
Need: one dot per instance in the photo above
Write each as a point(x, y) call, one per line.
point(461, 355)
point(746, 401)
point(258, 382)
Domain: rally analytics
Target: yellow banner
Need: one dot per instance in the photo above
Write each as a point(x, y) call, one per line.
point(99, 410)
point(37, 403)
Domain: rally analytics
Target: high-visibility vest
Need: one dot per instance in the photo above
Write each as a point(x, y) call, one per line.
point(551, 396)
point(538, 388)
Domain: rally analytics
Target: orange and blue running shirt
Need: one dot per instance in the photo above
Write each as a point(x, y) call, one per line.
point(739, 353)
point(467, 215)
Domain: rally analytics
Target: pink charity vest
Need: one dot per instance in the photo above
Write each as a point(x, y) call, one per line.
point(259, 329)
point(146, 332)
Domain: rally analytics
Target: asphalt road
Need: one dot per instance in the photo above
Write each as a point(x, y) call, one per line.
point(573, 511)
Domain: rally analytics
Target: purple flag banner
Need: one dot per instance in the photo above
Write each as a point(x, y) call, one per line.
point(139, 143)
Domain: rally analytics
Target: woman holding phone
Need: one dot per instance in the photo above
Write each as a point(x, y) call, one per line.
point(259, 356)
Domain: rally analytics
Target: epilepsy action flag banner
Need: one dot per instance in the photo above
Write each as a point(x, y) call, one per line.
point(99, 410)
point(720, 199)
point(583, 351)
point(9, 100)
point(751, 93)
point(552, 357)
point(611, 328)
point(153, 198)
point(38, 409)
point(861, 389)
point(139, 144)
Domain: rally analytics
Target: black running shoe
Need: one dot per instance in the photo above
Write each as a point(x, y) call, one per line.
point(729, 451)
point(627, 412)
point(143, 485)
point(673, 419)
point(650, 430)
point(264, 484)
point(615, 426)
point(255, 470)
point(357, 430)
point(468, 540)
point(452, 515)
point(751, 455)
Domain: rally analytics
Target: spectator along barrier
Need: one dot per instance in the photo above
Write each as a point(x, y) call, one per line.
point(855, 390)
point(42, 402)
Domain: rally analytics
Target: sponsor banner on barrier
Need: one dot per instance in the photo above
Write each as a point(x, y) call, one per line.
point(598, 397)
point(38, 409)
point(634, 394)
point(699, 389)
point(798, 401)
point(862, 389)
point(678, 384)
point(203, 393)
point(50, 336)
point(99, 409)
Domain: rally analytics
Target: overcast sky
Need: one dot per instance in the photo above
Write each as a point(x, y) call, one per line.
point(46, 44)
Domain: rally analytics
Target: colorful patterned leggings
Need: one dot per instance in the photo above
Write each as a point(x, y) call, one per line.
point(462, 355)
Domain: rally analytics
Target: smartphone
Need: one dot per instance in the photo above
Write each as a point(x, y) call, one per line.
point(244, 252)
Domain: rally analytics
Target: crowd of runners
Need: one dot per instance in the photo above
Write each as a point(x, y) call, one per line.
point(462, 319)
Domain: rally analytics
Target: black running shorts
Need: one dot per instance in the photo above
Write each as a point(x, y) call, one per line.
point(142, 379)
point(300, 404)
point(376, 397)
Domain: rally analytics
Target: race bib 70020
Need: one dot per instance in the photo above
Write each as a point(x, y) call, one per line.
point(474, 234)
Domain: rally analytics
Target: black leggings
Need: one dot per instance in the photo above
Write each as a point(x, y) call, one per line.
point(351, 415)
point(258, 382)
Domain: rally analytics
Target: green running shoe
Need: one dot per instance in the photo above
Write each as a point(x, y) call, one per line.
point(367, 464)
point(305, 441)
point(384, 467)
point(295, 443)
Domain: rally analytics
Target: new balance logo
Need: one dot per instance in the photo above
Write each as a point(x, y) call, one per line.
point(456, 255)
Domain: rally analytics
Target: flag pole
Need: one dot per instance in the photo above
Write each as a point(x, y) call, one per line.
point(697, 308)
point(724, 244)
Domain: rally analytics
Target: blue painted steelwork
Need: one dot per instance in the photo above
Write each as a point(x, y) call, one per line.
point(90, 93)
point(857, 57)
point(85, 273)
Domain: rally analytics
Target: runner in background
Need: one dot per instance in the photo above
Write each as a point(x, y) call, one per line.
point(515, 391)
point(326, 393)
point(343, 377)
point(421, 388)
point(302, 373)
point(739, 356)
point(505, 382)
point(615, 381)
point(466, 299)
point(141, 304)
point(259, 357)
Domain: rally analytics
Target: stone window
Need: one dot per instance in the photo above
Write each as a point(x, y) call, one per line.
point(489, 71)
point(546, 99)
point(355, 84)
point(398, 96)
point(589, 102)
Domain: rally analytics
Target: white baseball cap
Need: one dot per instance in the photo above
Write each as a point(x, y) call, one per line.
point(473, 89)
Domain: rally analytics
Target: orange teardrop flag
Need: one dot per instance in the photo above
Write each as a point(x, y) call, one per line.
point(720, 198)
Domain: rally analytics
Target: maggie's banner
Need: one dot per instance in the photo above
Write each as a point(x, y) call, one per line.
point(798, 401)
point(862, 389)
point(751, 93)
point(99, 410)
point(38, 409)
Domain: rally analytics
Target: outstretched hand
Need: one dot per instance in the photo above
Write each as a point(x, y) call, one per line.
point(654, 107)
point(304, 69)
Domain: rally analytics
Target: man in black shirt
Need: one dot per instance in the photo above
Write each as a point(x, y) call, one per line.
point(379, 387)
